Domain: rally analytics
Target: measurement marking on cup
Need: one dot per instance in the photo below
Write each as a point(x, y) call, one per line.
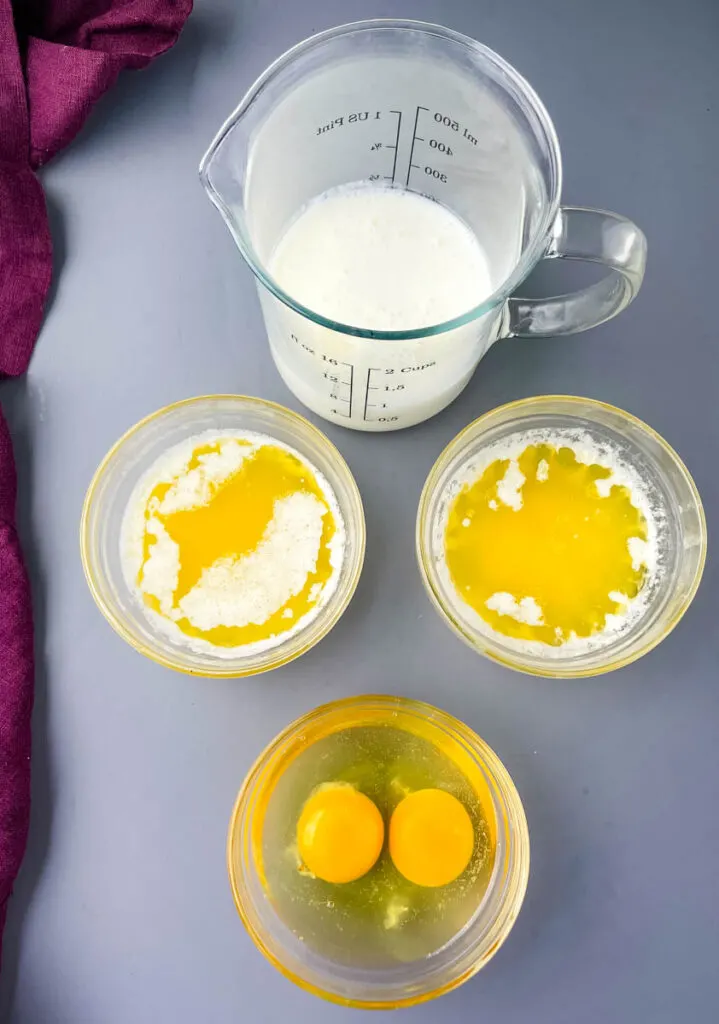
point(391, 387)
point(414, 139)
point(396, 142)
point(352, 381)
point(394, 381)
point(334, 378)
point(379, 147)
point(337, 383)
point(377, 387)
point(368, 388)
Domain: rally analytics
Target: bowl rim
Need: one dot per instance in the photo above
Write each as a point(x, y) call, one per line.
point(228, 670)
point(491, 764)
point(553, 669)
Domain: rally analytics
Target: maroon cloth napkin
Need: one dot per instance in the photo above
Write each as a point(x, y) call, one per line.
point(57, 57)
point(16, 674)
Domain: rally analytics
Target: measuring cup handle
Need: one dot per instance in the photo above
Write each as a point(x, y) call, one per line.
point(594, 236)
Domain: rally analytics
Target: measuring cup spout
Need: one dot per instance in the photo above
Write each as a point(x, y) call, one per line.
point(223, 193)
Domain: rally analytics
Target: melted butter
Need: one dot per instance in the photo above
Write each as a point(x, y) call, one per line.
point(231, 524)
point(566, 547)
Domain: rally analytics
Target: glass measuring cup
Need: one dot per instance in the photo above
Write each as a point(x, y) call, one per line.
point(420, 107)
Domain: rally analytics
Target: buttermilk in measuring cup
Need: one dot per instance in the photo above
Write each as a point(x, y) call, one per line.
point(382, 258)
point(379, 258)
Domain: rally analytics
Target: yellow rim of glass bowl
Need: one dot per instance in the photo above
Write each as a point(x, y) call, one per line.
point(261, 778)
point(523, 405)
point(116, 621)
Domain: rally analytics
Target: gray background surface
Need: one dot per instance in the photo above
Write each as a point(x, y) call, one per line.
point(123, 914)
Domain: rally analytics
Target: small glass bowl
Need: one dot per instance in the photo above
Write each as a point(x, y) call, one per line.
point(397, 985)
point(682, 533)
point(134, 454)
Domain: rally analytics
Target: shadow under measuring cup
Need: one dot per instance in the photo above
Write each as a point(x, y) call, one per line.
point(409, 107)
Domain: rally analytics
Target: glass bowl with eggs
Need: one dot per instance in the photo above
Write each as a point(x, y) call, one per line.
point(378, 852)
point(223, 536)
point(560, 536)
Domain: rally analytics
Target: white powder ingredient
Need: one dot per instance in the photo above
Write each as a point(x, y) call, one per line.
point(527, 610)
point(237, 592)
point(650, 553)
point(509, 488)
point(232, 592)
point(162, 569)
point(640, 552)
point(195, 488)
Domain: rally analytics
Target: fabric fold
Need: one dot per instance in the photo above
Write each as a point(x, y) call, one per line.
point(57, 57)
point(16, 684)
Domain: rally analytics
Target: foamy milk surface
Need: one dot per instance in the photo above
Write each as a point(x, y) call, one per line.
point(381, 258)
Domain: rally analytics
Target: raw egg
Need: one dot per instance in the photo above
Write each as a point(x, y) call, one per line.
point(431, 837)
point(340, 833)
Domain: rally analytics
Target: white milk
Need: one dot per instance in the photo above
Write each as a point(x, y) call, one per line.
point(382, 259)
point(378, 258)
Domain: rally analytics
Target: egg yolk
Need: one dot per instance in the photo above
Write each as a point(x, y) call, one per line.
point(340, 833)
point(431, 837)
point(543, 547)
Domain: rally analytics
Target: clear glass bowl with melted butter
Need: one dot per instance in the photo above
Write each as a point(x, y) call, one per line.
point(112, 492)
point(379, 941)
point(467, 522)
